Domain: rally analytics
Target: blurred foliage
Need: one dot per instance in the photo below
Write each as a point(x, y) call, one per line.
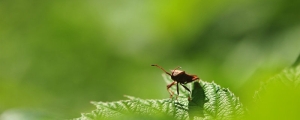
point(278, 98)
point(54, 55)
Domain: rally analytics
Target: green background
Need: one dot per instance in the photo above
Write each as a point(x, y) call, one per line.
point(57, 56)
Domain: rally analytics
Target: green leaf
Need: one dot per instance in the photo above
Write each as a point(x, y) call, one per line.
point(136, 108)
point(209, 101)
point(278, 98)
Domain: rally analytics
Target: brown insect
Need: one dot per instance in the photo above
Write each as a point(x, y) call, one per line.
point(179, 77)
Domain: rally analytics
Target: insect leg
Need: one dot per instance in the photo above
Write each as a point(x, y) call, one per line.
point(177, 89)
point(169, 86)
point(186, 87)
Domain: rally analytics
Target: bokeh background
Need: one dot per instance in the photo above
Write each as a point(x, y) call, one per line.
point(57, 56)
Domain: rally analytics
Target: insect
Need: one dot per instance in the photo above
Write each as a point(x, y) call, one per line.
point(178, 77)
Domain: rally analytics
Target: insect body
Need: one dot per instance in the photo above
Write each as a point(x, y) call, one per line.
point(179, 77)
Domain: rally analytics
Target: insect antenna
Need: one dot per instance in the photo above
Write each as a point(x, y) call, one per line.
point(162, 69)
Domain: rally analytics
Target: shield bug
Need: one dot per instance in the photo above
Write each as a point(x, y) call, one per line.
point(178, 77)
